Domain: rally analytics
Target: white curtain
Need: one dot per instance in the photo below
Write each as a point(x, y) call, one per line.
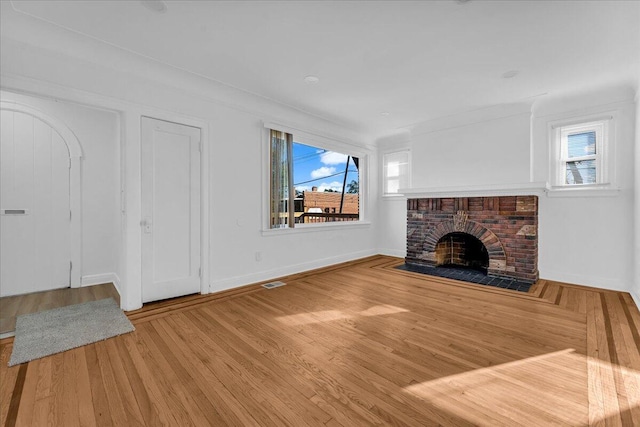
point(281, 200)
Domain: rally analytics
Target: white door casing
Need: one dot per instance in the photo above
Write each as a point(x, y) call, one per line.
point(171, 233)
point(40, 225)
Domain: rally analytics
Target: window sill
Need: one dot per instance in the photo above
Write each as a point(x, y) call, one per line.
point(312, 228)
point(394, 196)
point(592, 190)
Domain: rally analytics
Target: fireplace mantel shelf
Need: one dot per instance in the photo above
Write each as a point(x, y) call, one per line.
point(523, 189)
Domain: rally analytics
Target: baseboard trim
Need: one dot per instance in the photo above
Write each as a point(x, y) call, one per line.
point(636, 298)
point(234, 282)
point(590, 281)
point(98, 279)
point(393, 252)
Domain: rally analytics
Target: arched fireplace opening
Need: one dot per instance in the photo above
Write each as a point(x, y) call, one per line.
point(462, 250)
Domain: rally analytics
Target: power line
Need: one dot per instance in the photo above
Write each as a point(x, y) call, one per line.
point(324, 177)
point(317, 153)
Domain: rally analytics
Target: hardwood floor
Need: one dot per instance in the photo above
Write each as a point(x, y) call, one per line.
point(13, 306)
point(351, 345)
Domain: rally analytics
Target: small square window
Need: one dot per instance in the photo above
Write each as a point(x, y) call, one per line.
point(580, 154)
point(396, 172)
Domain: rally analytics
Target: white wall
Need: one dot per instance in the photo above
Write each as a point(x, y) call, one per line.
point(489, 146)
point(391, 220)
point(585, 240)
point(459, 155)
point(501, 145)
point(237, 142)
point(98, 134)
point(588, 240)
point(232, 121)
point(636, 290)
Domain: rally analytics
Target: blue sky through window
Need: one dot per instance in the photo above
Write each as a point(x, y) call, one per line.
point(313, 166)
point(581, 144)
point(581, 171)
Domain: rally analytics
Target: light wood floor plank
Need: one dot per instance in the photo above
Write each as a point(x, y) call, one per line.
point(222, 367)
point(122, 386)
point(627, 356)
point(216, 392)
point(168, 377)
point(254, 348)
point(8, 382)
point(157, 397)
point(354, 344)
point(68, 398)
point(103, 416)
point(24, 413)
point(354, 377)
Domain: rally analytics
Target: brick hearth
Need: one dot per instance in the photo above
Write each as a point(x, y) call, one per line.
point(507, 226)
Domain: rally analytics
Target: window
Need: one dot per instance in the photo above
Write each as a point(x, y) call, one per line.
point(580, 154)
point(396, 172)
point(320, 184)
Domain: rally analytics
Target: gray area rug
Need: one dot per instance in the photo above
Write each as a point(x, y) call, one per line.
point(53, 331)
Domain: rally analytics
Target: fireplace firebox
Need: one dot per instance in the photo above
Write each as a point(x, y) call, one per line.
point(462, 250)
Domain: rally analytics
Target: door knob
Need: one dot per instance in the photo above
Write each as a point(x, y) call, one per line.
point(146, 225)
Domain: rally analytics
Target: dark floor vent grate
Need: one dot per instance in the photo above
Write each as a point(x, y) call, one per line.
point(272, 285)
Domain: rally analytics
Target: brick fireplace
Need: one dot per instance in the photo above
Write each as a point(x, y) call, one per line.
point(495, 235)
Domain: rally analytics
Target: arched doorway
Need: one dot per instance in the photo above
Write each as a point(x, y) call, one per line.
point(39, 202)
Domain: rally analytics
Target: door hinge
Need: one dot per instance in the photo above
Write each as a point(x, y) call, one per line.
point(70, 268)
point(70, 215)
point(200, 272)
point(69, 162)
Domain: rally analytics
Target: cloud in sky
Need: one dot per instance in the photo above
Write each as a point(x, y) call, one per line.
point(322, 172)
point(335, 185)
point(333, 158)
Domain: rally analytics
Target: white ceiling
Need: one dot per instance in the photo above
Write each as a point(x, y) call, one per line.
point(416, 60)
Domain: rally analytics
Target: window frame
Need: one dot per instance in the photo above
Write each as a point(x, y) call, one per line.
point(324, 141)
point(564, 159)
point(604, 155)
point(385, 177)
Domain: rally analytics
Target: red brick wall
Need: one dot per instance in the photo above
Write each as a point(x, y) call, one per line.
point(331, 201)
point(507, 226)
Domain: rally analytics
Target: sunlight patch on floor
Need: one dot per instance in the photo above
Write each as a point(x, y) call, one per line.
point(512, 390)
point(313, 317)
point(379, 310)
point(331, 315)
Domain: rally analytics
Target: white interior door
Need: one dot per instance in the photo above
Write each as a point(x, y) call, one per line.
point(35, 221)
point(170, 210)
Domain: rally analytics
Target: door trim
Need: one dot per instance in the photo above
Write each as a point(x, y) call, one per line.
point(75, 183)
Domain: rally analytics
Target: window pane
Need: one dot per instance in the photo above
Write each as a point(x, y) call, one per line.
point(327, 185)
point(581, 144)
point(396, 171)
point(393, 169)
point(393, 185)
point(581, 172)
